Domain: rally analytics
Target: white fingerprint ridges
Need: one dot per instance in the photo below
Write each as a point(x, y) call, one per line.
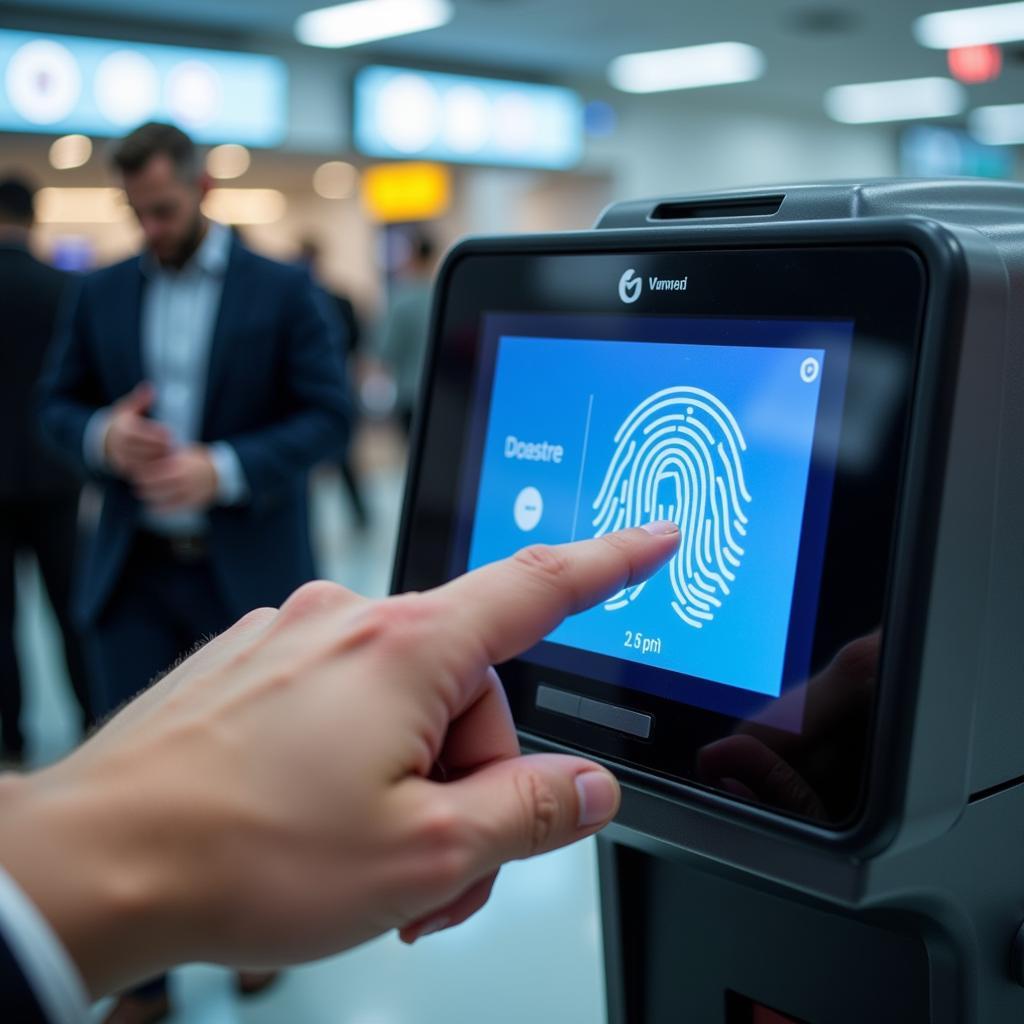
point(679, 456)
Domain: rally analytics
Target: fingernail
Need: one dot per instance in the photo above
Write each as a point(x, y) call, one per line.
point(660, 527)
point(435, 924)
point(598, 796)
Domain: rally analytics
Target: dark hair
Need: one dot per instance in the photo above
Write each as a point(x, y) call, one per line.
point(17, 201)
point(152, 139)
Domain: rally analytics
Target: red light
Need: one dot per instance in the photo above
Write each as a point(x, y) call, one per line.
point(975, 64)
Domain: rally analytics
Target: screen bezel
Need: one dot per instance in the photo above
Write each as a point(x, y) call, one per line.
point(886, 747)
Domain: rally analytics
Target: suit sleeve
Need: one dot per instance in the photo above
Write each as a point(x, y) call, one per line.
point(38, 982)
point(70, 392)
point(317, 413)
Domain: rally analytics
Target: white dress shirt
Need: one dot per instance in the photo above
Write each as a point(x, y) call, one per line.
point(179, 316)
point(45, 963)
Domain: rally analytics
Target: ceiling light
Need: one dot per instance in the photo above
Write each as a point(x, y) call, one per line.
point(70, 151)
point(228, 161)
point(686, 67)
point(363, 21)
point(81, 206)
point(335, 180)
point(971, 26)
point(905, 100)
point(1001, 125)
point(244, 205)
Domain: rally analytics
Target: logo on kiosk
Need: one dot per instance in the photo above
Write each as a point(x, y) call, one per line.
point(630, 286)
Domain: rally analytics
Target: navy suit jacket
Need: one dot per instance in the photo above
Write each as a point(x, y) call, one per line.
point(17, 1000)
point(275, 390)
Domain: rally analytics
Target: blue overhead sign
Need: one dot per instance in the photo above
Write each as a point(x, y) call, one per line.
point(58, 84)
point(406, 114)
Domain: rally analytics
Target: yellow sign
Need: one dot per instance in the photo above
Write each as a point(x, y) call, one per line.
point(406, 191)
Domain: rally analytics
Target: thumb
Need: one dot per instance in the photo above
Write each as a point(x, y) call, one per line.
point(531, 805)
point(139, 399)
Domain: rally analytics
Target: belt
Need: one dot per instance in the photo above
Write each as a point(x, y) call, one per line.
point(188, 548)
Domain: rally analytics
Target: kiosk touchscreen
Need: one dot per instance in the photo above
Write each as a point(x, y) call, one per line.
point(815, 707)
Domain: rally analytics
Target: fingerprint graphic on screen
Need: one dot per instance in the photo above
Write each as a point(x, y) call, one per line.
point(679, 456)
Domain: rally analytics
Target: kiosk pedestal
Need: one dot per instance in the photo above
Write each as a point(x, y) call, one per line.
point(932, 938)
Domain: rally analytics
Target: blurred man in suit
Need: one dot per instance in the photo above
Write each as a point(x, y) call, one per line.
point(38, 495)
point(199, 382)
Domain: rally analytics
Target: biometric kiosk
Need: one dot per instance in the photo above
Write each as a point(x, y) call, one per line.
point(816, 708)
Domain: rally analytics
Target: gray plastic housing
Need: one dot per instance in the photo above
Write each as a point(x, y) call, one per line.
point(962, 741)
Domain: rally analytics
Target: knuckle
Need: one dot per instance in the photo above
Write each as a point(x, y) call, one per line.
point(253, 620)
point(545, 562)
point(314, 596)
point(398, 623)
point(622, 545)
point(540, 809)
point(446, 844)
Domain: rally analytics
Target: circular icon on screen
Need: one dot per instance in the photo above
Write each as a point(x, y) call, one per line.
point(529, 507)
point(127, 87)
point(408, 111)
point(466, 125)
point(810, 368)
point(193, 93)
point(43, 81)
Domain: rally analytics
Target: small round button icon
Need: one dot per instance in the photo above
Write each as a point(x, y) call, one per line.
point(809, 370)
point(528, 509)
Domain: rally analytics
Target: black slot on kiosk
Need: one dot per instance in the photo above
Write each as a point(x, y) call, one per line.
point(816, 709)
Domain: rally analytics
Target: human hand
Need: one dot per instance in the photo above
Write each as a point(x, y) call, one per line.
point(316, 776)
point(183, 479)
point(132, 440)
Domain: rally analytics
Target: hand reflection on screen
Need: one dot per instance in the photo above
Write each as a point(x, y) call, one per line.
point(810, 773)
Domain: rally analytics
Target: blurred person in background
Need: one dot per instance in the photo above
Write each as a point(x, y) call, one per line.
point(311, 257)
point(38, 494)
point(402, 340)
point(199, 382)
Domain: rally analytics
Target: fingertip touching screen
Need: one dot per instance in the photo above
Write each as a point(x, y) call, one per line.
point(752, 398)
point(708, 423)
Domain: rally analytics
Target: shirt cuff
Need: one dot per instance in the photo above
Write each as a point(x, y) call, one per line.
point(43, 960)
point(232, 487)
point(95, 439)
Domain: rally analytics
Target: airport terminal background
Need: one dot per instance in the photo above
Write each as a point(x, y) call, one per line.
point(321, 164)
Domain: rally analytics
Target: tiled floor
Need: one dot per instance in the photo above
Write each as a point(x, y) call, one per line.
point(533, 954)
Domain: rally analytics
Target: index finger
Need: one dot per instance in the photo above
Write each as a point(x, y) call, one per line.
point(512, 604)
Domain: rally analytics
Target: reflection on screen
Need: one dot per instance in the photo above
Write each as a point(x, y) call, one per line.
point(585, 437)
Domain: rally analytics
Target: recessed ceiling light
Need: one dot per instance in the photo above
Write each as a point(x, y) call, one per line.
point(70, 151)
point(228, 161)
point(970, 26)
point(335, 180)
point(686, 67)
point(363, 21)
point(908, 99)
point(1000, 125)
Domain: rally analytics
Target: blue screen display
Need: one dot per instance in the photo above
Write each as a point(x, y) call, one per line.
point(57, 84)
point(400, 113)
point(718, 431)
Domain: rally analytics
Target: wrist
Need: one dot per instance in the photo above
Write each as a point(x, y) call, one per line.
point(80, 852)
